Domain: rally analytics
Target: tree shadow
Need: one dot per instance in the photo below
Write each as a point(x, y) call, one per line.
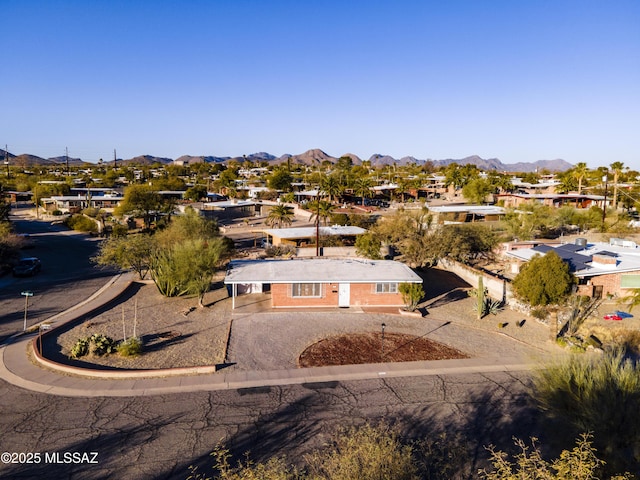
point(447, 298)
point(466, 421)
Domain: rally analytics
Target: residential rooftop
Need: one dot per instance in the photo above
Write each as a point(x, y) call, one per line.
point(319, 270)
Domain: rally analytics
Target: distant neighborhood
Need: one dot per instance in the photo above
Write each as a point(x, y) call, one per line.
point(312, 205)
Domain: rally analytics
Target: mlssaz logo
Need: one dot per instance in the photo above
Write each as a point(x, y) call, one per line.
point(71, 457)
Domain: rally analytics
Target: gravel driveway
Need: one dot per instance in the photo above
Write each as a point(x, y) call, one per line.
point(273, 340)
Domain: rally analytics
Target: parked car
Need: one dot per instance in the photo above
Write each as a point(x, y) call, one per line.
point(612, 316)
point(27, 267)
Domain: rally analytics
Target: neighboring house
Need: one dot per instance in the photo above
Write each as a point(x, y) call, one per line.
point(601, 268)
point(514, 200)
point(548, 185)
point(78, 203)
point(302, 236)
point(446, 214)
point(230, 210)
point(321, 282)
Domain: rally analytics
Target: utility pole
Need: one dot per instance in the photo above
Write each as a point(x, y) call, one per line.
point(115, 159)
point(604, 204)
point(66, 156)
point(6, 159)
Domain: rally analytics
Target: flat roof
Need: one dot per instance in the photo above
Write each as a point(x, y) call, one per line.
point(310, 232)
point(627, 258)
point(478, 209)
point(319, 270)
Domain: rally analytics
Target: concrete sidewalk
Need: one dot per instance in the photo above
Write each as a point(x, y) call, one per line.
point(17, 367)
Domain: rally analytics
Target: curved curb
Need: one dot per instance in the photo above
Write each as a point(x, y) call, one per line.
point(116, 374)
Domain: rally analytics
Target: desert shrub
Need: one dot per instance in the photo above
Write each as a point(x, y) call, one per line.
point(280, 251)
point(119, 230)
point(628, 340)
point(81, 223)
point(599, 394)
point(443, 456)
point(80, 348)
point(56, 213)
point(363, 453)
point(411, 293)
point(91, 212)
point(580, 463)
point(130, 347)
point(102, 344)
point(540, 313)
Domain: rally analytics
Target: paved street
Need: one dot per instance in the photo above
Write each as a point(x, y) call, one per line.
point(67, 276)
point(160, 436)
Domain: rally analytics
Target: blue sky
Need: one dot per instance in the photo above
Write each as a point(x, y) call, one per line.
point(517, 80)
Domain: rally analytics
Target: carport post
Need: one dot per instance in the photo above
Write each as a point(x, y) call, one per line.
point(233, 296)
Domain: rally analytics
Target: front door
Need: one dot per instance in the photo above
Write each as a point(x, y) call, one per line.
point(344, 294)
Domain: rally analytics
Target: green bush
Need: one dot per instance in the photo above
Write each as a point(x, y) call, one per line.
point(130, 347)
point(598, 394)
point(102, 344)
point(80, 349)
point(580, 463)
point(81, 223)
point(411, 293)
point(119, 230)
point(91, 212)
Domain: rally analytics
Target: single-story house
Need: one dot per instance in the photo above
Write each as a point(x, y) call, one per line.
point(77, 203)
point(514, 200)
point(601, 268)
point(445, 214)
point(321, 282)
point(300, 236)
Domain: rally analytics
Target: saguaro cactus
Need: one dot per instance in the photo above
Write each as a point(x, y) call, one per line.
point(480, 300)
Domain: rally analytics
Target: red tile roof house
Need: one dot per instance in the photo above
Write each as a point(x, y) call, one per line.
point(321, 282)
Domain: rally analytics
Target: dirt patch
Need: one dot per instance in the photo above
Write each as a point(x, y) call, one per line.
point(354, 349)
point(174, 332)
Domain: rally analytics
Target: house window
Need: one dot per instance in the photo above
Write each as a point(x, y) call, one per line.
point(306, 290)
point(386, 287)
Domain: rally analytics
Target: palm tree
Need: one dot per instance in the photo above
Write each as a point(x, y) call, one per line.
point(617, 168)
point(580, 173)
point(363, 187)
point(323, 211)
point(331, 186)
point(280, 215)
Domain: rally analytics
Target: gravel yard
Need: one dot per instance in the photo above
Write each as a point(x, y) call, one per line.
point(176, 333)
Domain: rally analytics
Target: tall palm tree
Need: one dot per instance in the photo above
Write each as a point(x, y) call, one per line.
point(363, 187)
point(580, 173)
point(617, 168)
point(280, 215)
point(332, 186)
point(323, 211)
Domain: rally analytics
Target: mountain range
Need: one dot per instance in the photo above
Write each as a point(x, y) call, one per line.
point(310, 157)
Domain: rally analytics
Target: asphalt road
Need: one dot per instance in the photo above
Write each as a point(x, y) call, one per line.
point(67, 275)
point(161, 436)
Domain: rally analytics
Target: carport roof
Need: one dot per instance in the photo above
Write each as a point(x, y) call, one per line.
point(310, 232)
point(319, 270)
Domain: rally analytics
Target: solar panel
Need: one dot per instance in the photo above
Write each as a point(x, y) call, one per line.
point(542, 248)
point(570, 247)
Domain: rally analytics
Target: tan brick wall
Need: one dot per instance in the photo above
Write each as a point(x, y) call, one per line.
point(361, 294)
point(610, 283)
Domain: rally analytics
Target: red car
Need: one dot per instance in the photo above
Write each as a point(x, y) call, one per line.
point(612, 316)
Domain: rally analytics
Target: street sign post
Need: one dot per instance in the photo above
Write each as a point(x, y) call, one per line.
point(26, 295)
